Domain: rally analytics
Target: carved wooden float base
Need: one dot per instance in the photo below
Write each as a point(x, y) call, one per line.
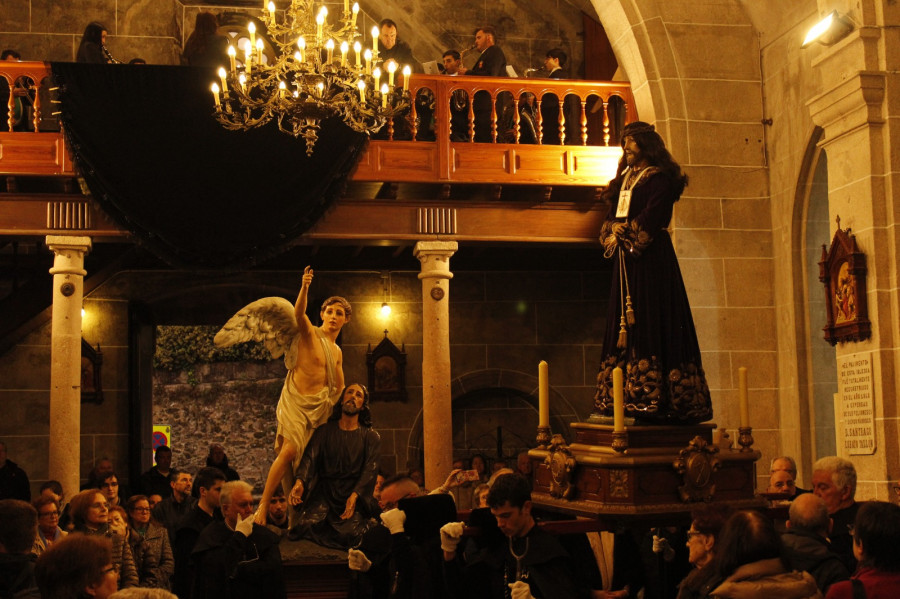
point(662, 471)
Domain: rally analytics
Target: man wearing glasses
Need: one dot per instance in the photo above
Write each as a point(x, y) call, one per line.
point(235, 557)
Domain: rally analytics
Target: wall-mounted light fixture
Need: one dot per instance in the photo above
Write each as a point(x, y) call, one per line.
point(830, 30)
point(385, 288)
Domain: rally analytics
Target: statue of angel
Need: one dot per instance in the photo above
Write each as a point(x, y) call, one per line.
point(315, 374)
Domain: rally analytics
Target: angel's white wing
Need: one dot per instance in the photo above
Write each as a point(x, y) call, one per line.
point(270, 320)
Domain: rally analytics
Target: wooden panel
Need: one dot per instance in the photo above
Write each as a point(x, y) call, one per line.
point(34, 153)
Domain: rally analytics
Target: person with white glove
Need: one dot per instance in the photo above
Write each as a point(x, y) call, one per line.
point(520, 590)
point(661, 546)
point(451, 535)
point(394, 520)
point(357, 561)
point(244, 525)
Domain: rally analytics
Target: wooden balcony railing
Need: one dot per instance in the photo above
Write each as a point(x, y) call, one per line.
point(30, 144)
point(439, 141)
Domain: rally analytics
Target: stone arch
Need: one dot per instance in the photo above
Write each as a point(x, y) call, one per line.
point(516, 386)
point(810, 228)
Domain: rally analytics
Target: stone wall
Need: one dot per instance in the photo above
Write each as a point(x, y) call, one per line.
point(156, 30)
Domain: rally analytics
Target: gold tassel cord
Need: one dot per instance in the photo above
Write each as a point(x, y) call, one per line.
point(629, 310)
point(623, 331)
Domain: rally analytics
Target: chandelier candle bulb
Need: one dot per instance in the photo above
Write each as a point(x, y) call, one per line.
point(320, 20)
point(231, 54)
point(344, 48)
point(346, 6)
point(301, 43)
point(618, 401)
point(282, 89)
point(251, 27)
point(357, 48)
point(215, 91)
point(384, 95)
point(368, 56)
point(329, 45)
point(392, 68)
point(248, 55)
point(375, 42)
point(376, 74)
point(259, 50)
point(543, 393)
point(406, 72)
point(271, 7)
point(222, 76)
point(362, 90)
point(242, 79)
point(355, 13)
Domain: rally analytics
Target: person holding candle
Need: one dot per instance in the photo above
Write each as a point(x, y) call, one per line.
point(649, 329)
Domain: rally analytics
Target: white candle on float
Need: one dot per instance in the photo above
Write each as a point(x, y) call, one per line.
point(618, 401)
point(743, 400)
point(543, 394)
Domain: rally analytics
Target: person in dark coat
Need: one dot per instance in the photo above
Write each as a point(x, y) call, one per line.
point(806, 545)
point(155, 481)
point(491, 63)
point(875, 536)
point(235, 557)
point(205, 47)
point(13, 480)
point(218, 459)
point(206, 510)
point(18, 523)
point(93, 45)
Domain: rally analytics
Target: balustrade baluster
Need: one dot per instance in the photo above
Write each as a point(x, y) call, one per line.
point(584, 121)
point(413, 120)
point(540, 119)
point(605, 122)
point(472, 116)
point(516, 120)
point(494, 117)
point(562, 120)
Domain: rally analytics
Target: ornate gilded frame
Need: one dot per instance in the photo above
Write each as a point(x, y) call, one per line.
point(843, 272)
point(387, 371)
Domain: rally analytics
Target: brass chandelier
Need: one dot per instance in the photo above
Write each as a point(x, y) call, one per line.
point(320, 72)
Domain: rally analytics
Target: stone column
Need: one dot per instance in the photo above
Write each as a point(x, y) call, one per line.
point(436, 409)
point(65, 359)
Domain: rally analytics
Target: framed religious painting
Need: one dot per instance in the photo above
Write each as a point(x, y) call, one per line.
point(843, 272)
point(387, 371)
point(91, 362)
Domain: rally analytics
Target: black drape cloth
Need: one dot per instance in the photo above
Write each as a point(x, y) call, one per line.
point(197, 195)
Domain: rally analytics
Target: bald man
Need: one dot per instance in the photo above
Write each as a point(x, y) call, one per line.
point(806, 542)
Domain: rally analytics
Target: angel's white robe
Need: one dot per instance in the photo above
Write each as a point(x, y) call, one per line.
point(298, 415)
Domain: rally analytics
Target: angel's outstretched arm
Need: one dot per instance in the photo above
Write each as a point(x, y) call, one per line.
point(300, 306)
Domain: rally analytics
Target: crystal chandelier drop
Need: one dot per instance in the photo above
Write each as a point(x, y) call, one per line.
point(320, 72)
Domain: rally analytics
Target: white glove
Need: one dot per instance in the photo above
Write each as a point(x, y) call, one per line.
point(661, 545)
point(358, 561)
point(520, 590)
point(394, 519)
point(244, 526)
point(451, 534)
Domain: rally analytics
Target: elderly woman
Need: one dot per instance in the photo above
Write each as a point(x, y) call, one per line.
point(49, 531)
point(77, 567)
point(90, 515)
point(701, 543)
point(749, 562)
point(153, 556)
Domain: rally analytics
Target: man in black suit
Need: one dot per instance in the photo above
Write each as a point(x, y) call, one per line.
point(491, 63)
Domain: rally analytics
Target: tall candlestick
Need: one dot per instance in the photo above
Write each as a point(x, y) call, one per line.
point(543, 394)
point(744, 403)
point(618, 401)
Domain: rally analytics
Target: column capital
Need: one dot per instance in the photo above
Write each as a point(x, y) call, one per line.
point(435, 258)
point(69, 251)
